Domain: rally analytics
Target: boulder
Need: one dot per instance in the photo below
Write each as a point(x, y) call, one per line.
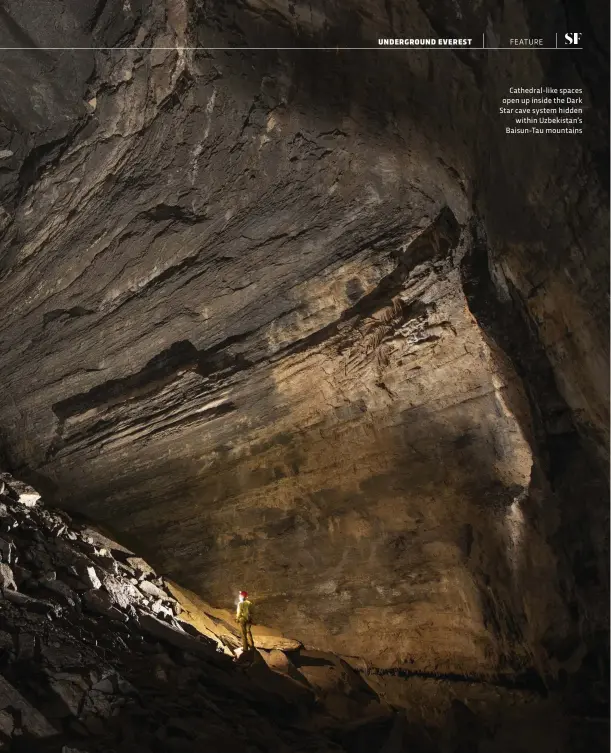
point(22, 575)
point(141, 568)
point(87, 573)
point(7, 579)
point(59, 588)
point(30, 603)
point(71, 689)
point(101, 602)
point(105, 685)
point(122, 593)
point(200, 647)
point(8, 551)
point(32, 721)
point(150, 589)
point(160, 609)
point(279, 662)
point(7, 723)
point(25, 494)
point(277, 642)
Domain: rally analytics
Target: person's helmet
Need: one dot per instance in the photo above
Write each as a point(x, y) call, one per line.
point(244, 594)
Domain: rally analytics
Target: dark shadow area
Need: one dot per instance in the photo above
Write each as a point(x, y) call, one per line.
point(569, 493)
point(196, 525)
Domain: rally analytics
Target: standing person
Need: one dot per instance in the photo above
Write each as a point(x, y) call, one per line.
point(244, 616)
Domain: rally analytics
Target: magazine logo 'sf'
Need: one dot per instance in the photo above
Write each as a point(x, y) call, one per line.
point(572, 38)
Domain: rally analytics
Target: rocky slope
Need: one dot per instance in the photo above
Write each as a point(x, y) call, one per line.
point(98, 655)
point(94, 657)
point(305, 323)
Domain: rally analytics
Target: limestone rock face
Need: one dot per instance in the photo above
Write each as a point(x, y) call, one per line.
point(308, 323)
point(105, 674)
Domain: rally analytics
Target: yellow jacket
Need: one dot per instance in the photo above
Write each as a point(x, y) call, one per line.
point(244, 612)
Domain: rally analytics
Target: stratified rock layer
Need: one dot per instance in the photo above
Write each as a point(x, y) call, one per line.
point(306, 323)
point(91, 663)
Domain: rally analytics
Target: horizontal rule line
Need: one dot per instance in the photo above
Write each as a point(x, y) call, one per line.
point(402, 48)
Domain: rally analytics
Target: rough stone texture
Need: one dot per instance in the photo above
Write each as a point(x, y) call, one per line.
point(306, 323)
point(76, 679)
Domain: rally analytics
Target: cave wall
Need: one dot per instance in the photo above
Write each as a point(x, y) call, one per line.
point(237, 329)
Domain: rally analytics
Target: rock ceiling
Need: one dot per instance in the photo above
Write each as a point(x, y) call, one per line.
point(307, 323)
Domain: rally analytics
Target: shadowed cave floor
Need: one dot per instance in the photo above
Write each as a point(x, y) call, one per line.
point(98, 656)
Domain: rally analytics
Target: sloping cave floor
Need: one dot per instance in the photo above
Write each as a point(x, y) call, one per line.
point(98, 656)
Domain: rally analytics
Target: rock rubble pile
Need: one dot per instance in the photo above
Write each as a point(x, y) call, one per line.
point(95, 657)
point(99, 655)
